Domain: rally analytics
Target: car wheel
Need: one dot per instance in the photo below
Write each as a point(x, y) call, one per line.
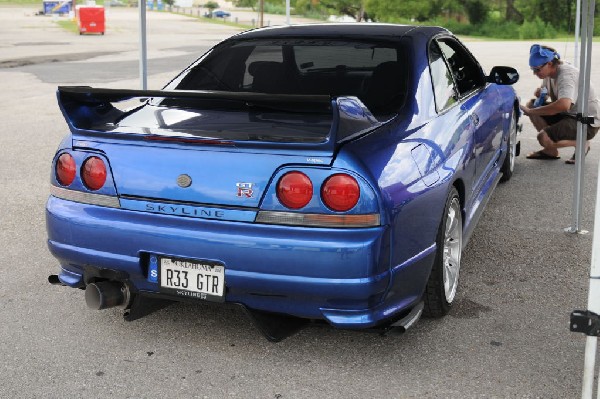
point(443, 280)
point(508, 166)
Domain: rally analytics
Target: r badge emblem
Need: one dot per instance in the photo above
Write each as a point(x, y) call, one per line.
point(245, 190)
point(184, 181)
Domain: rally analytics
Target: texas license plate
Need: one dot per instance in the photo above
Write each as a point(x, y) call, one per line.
point(193, 278)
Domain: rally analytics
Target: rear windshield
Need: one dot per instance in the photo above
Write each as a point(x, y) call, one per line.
point(373, 72)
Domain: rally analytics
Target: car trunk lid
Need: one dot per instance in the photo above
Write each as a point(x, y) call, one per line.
point(213, 149)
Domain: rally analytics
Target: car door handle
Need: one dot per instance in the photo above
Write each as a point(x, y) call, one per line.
point(475, 119)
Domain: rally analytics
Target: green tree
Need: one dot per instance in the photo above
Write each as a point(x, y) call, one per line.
point(501, 18)
point(394, 11)
point(311, 8)
point(512, 13)
point(244, 3)
point(211, 5)
point(351, 8)
point(446, 9)
point(560, 14)
point(477, 10)
point(254, 3)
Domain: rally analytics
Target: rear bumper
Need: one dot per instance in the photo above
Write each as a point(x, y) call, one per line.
point(341, 275)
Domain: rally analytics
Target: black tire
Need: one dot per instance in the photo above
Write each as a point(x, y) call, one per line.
point(508, 166)
point(443, 280)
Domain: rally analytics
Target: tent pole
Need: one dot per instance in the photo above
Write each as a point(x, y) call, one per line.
point(591, 342)
point(143, 53)
point(588, 369)
point(594, 279)
point(577, 33)
point(582, 107)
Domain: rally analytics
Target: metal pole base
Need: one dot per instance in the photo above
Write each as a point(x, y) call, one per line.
point(573, 230)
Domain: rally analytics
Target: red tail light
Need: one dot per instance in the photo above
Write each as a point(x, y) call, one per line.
point(93, 173)
point(340, 192)
point(294, 190)
point(65, 169)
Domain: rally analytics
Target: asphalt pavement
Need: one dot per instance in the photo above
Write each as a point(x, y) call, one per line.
point(506, 337)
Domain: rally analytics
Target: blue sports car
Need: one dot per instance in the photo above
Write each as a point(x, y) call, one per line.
point(322, 172)
point(221, 14)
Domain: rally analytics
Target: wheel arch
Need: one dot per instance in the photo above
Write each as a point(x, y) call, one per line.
point(517, 110)
point(459, 184)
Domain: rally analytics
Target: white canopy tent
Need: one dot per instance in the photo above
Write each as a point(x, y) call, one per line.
point(588, 321)
point(585, 20)
point(143, 46)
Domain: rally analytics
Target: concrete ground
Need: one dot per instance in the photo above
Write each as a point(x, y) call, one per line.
point(507, 336)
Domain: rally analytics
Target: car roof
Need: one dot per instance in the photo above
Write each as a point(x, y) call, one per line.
point(342, 30)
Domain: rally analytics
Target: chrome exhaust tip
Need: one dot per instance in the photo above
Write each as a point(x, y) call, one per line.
point(106, 294)
point(54, 280)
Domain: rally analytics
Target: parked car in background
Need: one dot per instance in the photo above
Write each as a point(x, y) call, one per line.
point(331, 172)
point(221, 14)
point(115, 3)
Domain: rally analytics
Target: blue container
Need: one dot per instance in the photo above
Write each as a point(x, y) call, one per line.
point(541, 100)
point(57, 7)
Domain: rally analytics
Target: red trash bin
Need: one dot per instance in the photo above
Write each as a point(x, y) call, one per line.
point(90, 19)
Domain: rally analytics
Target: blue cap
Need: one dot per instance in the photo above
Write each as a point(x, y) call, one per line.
point(539, 55)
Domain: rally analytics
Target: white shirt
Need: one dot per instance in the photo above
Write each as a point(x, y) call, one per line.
point(566, 85)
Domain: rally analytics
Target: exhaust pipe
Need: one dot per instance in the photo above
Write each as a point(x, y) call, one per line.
point(54, 280)
point(106, 294)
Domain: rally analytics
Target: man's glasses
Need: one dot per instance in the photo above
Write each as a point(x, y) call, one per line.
point(537, 69)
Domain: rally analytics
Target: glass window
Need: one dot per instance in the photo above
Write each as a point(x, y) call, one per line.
point(351, 56)
point(376, 73)
point(466, 71)
point(443, 85)
point(262, 54)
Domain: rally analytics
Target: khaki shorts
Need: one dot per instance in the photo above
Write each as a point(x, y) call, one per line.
point(563, 127)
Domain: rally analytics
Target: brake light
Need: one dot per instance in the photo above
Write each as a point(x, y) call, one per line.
point(65, 169)
point(340, 192)
point(294, 190)
point(93, 173)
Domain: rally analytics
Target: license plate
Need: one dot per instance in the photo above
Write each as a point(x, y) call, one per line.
point(193, 278)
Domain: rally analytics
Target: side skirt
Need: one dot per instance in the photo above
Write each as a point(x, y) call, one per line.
point(478, 206)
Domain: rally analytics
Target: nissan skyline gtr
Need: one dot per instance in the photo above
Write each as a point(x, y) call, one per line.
point(329, 172)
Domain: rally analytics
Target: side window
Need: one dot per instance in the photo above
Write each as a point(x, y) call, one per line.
point(223, 69)
point(352, 57)
point(443, 85)
point(466, 72)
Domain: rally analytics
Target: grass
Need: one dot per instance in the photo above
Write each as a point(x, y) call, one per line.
point(20, 2)
point(68, 25)
point(218, 21)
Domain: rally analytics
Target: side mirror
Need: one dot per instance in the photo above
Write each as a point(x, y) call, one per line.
point(503, 75)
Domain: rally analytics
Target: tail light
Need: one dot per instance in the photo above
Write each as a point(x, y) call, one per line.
point(340, 192)
point(65, 169)
point(294, 190)
point(93, 173)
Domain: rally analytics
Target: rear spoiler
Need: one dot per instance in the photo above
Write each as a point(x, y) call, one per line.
point(90, 95)
point(90, 109)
